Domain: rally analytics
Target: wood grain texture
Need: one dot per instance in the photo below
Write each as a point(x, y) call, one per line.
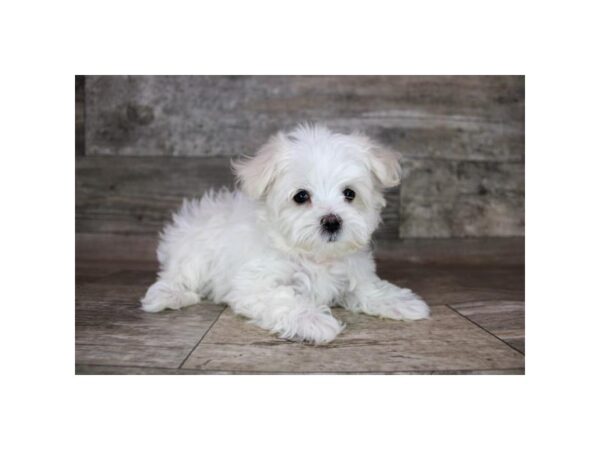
point(444, 283)
point(114, 336)
point(96, 369)
point(117, 248)
point(471, 251)
point(447, 198)
point(504, 319)
point(445, 342)
point(112, 329)
point(137, 195)
point(80, 115)
point(461, 137)
point(469, 117)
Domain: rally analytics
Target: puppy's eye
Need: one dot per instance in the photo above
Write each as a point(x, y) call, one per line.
point(301, 197)
point(349, 194)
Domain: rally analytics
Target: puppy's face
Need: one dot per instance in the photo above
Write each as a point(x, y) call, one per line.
point(322, 191)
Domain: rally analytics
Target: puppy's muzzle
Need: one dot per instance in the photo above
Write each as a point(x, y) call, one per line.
point(331, 223)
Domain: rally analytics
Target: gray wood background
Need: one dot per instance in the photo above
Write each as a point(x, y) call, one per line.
point(144, 142)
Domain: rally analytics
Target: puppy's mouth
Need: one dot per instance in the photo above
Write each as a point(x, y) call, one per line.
point(331, 237)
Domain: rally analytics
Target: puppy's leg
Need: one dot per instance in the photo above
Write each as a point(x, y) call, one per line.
point(280, 310)
point(377, 297)
point(165, 294)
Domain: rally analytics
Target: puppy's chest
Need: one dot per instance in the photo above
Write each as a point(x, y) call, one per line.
point(323, 283)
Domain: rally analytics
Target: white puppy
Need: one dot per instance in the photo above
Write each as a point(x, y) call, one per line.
point(294, 242)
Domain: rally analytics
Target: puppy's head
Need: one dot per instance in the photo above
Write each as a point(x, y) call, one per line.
point(322, 191)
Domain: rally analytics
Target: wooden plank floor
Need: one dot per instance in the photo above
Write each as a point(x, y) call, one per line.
point(477, 323)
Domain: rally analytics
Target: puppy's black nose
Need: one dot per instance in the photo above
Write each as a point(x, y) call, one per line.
point(331, 223)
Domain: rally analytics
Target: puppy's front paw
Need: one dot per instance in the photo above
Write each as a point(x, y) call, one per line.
point(162, 296)
point(403, 304)
point(315, 327)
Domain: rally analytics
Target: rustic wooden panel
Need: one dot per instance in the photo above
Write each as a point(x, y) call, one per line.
point(79, 115)
point(136, 195)
point(462, 139)
point(447, 198)
point(475, 117)
point(122, 249)
point(472, 251)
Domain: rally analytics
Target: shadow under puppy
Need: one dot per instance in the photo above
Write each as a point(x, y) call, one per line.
point(293, 242)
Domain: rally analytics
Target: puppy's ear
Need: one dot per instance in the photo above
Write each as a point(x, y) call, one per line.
point(384, 163)
point(255, 174)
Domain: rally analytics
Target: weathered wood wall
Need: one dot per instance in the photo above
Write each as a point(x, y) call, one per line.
point(144, 142)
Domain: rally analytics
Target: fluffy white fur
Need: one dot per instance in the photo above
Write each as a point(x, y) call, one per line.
point(269, 258)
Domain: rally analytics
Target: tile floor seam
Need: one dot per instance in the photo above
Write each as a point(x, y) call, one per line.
point(484, 329)
point(201, 338)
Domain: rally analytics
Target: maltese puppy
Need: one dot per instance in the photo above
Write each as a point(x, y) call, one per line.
point(294, 241)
